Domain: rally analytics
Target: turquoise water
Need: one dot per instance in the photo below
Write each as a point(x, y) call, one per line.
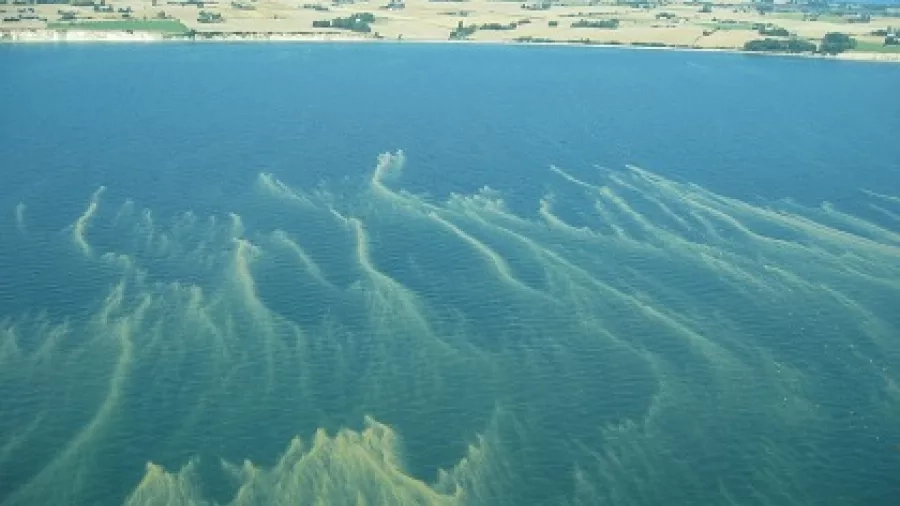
point(425, 274)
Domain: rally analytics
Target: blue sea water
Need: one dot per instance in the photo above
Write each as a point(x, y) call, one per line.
point(486, 275)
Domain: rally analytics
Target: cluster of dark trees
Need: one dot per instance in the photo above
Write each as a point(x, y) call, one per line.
point(498, 26)
point(780, 46)
point(600, 23)
point(832, 43)
point(461, 31)
point(359, 23)
point(209, 17)
point(772, 31)
point(316, 7)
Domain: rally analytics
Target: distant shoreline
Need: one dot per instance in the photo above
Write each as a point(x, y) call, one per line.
point(737, 26)
point(47, 36)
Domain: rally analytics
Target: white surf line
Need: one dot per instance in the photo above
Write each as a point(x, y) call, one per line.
point(675, 192)
point(889, 198)
point(306, 261)
point(413, 204)
point(728, 269)
point(584, 232)
point(387, 164)
point(83, 221)
point(827, 233)
point(800, 223)
point(737, 225)
point(276, 188)
point(199, 308)
point(545, 211)
point(721, 265)
point(499, 264)
point(877, 329)
point(707, 347)
point(389, 297)
point(244, 254)
point(642, 221)
point(394, 294)
point(861, 224)
point(365, 261)
point(572, 179)
point(121, 328)
point(611, 221)
point(544, 252)
point(345, 221)
point(716, 258)
point(237, 225)
point(653, 199)
point(604, 212)
point(885, 212)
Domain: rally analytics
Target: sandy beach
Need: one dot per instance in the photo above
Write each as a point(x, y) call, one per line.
point(676, 25)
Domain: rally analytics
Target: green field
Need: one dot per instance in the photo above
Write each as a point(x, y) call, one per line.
point(876, 47)
point(168, 26)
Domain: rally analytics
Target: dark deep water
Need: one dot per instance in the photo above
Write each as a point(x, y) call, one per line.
point(484, 274)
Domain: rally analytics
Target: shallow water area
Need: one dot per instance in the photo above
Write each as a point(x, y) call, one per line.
point(379, 274)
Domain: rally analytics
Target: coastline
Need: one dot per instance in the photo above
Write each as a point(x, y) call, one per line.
point(49, 36)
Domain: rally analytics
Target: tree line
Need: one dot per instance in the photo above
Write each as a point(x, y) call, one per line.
point(832, 43)
point(359, 23)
